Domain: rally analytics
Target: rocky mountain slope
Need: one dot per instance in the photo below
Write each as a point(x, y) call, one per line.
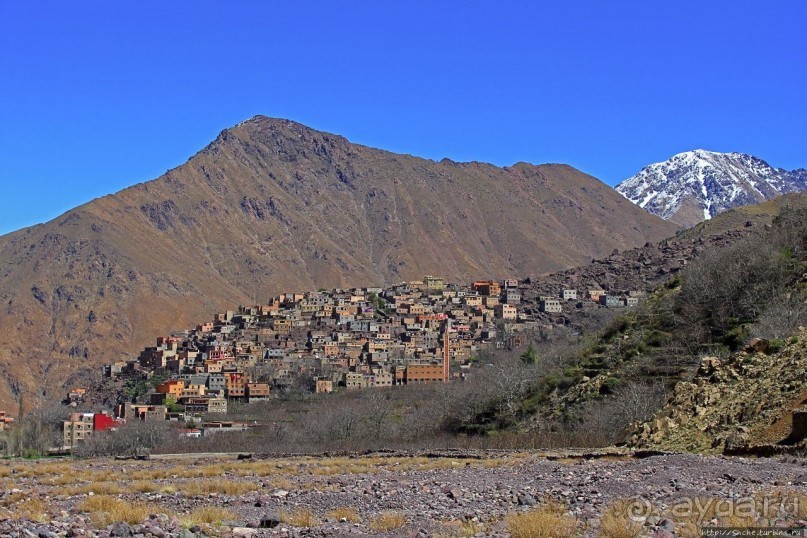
point(697, 185)
point(747, 399)
point(273, 206)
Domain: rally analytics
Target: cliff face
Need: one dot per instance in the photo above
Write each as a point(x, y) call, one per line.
point(273, 206)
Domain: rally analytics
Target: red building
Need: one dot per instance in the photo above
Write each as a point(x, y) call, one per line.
point(102, 421)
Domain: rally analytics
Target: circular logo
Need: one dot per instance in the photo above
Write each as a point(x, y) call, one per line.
point(638, 509)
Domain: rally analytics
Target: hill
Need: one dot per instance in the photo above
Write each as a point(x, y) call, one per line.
point(273, 206)
point(745, 400)
point(697, 185)
point(739, 283)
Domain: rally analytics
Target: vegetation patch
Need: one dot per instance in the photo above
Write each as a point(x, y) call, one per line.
point(617, 523)
point(345, 514)
point(550, 520)
point(106, 510)
point(207, 515)
point(299, 517)
point(387, 521)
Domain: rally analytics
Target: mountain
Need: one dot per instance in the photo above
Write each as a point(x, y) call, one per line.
point(697, 185)
point(273, 206)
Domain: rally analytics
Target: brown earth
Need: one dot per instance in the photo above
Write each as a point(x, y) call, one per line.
point(273, 206)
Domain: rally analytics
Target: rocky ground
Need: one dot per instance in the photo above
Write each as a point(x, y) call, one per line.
point(745, 400)
point(457, 494)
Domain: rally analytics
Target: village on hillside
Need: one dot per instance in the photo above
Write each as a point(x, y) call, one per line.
point(414, 332)
point(423, 331)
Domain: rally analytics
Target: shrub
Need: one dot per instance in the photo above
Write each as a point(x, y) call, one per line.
point(106, 510)
point(33, 509)
point(609, 385)
point(144, 486)
point(616, 522)
point(774, 346)
point(301, 517)
point(387, 521)
point(547, 521)
point(207, 515)
point(344, 513)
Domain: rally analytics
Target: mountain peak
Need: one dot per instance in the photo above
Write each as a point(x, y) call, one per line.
point(696, 185)
point(273, 206)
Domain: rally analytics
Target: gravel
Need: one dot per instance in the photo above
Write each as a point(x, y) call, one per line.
point(432, 500)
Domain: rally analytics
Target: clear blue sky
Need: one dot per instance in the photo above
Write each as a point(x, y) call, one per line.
point(96, 96)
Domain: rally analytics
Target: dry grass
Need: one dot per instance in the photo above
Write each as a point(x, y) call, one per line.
point(301, 517)
point(547, 521)
point(345, 514)
point(616, 522)
point(12, 498)
point(63, 480)
point(206, 487)
point(461, 529)
point(281, 483)
point(144, 486)
point(33, 509)
point(156, 474)
point(775, 502)
point(106, 510)
point(35, 470)
point(387, 521)
point(767, 504)
point(207, 515)
point(97, 488)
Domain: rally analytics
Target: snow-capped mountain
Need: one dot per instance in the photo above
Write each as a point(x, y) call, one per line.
point(697, 185)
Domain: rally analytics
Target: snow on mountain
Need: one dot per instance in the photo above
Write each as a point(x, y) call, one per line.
point(697, 185)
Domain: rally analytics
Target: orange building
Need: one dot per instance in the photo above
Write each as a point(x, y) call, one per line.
point(487, 287)
point(423, 373)
point(257, 391)
point(172, 387)
point(235, 384)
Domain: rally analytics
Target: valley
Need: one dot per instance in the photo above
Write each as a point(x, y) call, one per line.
point(449, 494)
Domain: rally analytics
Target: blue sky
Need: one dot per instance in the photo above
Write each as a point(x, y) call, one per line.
point(98, 96)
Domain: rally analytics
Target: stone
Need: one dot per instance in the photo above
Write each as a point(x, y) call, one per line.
point(121, 529)
point(667, 524)
point(526, 499)
point(270, 520)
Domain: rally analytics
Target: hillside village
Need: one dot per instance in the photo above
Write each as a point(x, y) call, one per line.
point(423, 331)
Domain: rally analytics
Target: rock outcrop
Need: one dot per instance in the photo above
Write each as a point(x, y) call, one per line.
point(746, 400)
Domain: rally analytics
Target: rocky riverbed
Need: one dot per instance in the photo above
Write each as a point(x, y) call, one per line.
point(459, 494)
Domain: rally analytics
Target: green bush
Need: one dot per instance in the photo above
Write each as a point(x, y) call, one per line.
point(735, 337)
point(774, 346)
point(609, 385)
